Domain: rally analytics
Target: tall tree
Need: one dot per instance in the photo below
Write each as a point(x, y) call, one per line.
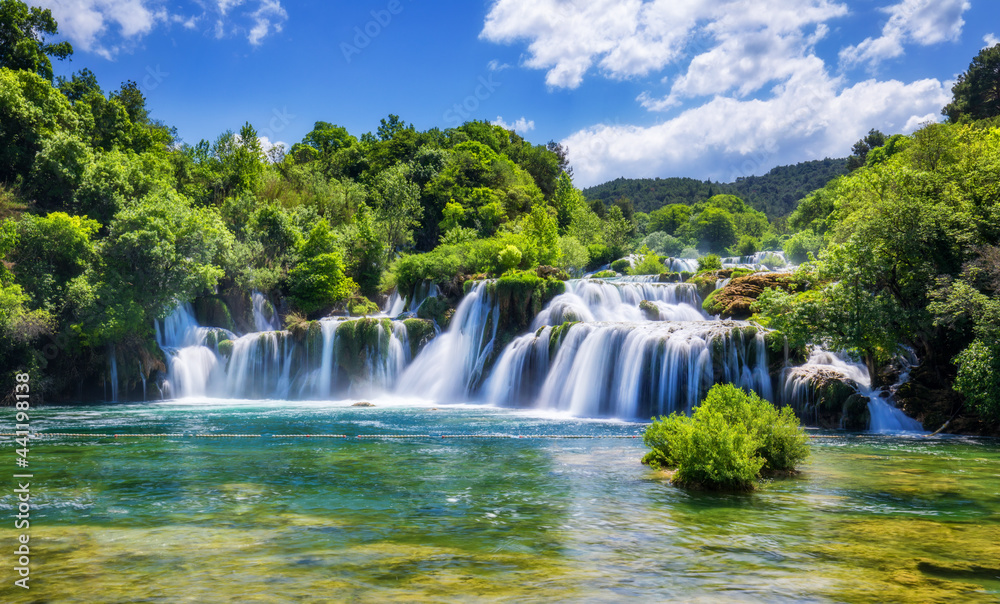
point(22, 38)
point(976, 94)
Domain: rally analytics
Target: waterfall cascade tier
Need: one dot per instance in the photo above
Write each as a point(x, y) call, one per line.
point(625, 347)
point(628, 370)
point(801, 384)
point(333, 356)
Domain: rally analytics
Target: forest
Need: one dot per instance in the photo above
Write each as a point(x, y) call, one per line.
point(109, 221)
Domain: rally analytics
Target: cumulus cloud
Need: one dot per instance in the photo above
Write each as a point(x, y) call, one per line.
point(107, 27)
point(87, 22)
point(631, 38)
point(268, 18)
point(991, 40)
point(521, 125)
point(726, 138)
point(923, 22)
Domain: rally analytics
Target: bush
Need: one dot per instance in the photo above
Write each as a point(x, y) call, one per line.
point(801, 244)
point(664, 244)
point(710, 262)
point(728, 442)
point(604, 275)
point(508, 258)
point(651, 264)
point(747, 246)
point(599, 255)
point(772, 261)
point(979, 377)
point(621, 266)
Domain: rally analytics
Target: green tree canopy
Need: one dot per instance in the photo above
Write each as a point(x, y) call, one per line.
point(976, 94)
point(22, 38)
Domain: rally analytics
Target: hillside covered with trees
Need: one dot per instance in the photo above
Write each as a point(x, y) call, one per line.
point(776, 193)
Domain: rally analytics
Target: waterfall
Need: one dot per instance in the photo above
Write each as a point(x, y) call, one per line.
point(592, 300)
point(273, 364)
point(264, 316)
point(627, 370)
point(395, 305)
point(452, 364)
point(113, 373)
point(885, 417)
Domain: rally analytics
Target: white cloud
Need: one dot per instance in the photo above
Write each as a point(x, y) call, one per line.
point(268, 18)
point(520, 126)
point(267, 145)
point(809, 117)
point(87, 22)
point(991, 40)
point(107, 27)
point(631, 38)
point(923, 22)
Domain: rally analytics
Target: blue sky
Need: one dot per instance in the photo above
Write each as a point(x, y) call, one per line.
point(703, 88)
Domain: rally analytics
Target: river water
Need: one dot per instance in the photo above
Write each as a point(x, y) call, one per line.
point(308, 519)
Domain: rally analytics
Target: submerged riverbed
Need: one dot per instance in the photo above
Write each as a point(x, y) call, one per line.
point(266, 519)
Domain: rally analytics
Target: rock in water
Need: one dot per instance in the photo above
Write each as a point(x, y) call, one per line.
point(362, 404)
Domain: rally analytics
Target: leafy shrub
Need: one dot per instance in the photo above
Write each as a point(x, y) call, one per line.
point(604, 275)
point(746, 246)
point(729, 440)
point(508, 258)
point(710, 262)
point(599, 255)
point(801, 244)
point(979, 377)
point(621, 265)
point(651, 264)
point(772, 261)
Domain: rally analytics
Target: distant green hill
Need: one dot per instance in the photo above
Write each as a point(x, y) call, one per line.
point(776, 193)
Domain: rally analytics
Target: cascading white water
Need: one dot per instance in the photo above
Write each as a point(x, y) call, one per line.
point(626, 370)
point(395, 305)
point(755, 261)
point(590, 300)
point(113, 373)
point(885, 417)
point(451, 365)
point(264, 317)
point(270, 364)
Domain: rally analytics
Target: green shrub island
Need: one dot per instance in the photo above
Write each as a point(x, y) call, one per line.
point(729, 442)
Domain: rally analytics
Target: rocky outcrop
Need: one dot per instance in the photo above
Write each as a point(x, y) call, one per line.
point(734, 300)
point(826, 399)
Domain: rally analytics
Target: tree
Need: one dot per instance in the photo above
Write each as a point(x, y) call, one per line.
point(318, 280)
point(51, 251)
point(668, 218)
point(976, 94)
point(540, 228)
point(859, 152)
point(22, 38)
point(715, 230)
point(81, 84)
point(396, 201)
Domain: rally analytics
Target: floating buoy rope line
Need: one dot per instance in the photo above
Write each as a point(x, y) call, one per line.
point(372, 436)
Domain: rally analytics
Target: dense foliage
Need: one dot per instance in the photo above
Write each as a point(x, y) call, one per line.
point(728, 442)
point(775, 193)
point(909, 257)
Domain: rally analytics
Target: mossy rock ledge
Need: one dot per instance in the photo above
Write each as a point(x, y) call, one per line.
point(734, 300)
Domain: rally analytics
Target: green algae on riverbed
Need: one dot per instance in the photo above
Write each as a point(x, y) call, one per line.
point(889, 519)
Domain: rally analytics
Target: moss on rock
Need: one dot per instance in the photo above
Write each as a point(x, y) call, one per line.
point(734, 300)
point(419, 332)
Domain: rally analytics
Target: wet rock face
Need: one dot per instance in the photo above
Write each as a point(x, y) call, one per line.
point(733, 301)
point(826, 399)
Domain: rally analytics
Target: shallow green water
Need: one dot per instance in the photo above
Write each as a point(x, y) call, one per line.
point(313, 520)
